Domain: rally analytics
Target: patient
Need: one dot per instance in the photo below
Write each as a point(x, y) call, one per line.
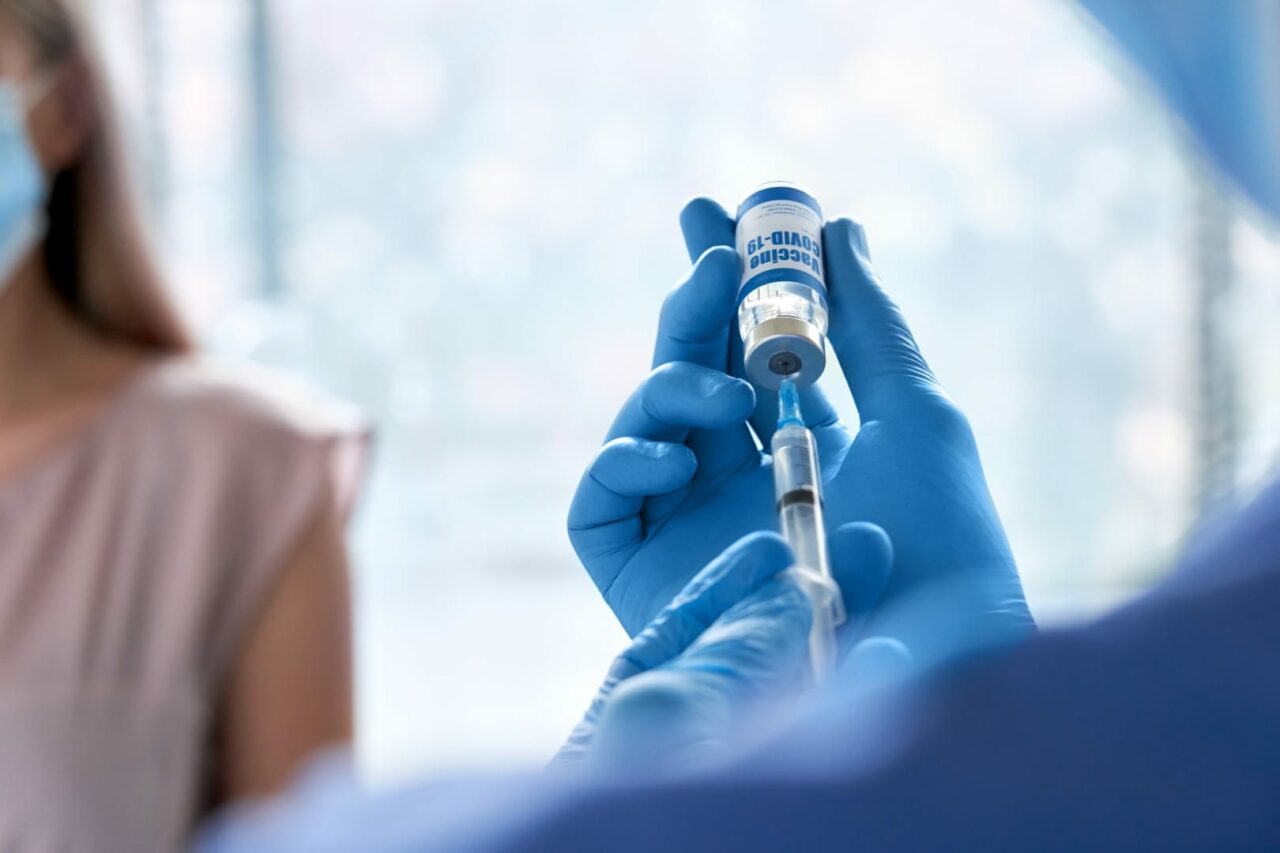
point(173, 593)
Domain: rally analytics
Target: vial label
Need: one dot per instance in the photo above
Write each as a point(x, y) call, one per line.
point(779, 239)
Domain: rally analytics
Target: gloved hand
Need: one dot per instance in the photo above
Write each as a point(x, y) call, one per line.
point(683, 692)
point(681, 475)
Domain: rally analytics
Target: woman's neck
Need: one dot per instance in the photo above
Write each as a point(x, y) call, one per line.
point(45, 351)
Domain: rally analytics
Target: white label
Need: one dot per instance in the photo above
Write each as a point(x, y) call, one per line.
point(781, 235)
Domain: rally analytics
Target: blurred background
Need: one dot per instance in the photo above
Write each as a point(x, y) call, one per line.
point(462, 217)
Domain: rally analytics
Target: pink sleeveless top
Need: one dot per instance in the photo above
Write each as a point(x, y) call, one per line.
point(132, 561)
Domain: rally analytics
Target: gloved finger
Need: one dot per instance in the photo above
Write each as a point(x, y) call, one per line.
point(697, 322)
point(694, 323)
point(953, 616)
point(765, 634)
point(876, 663)
point(861, 562)
point(881, 360)
point(605, 516)
point(636, 467)
point(680, 396)
point(660, 721)
point(687, 709)
point(706, 225)
point(739, 571)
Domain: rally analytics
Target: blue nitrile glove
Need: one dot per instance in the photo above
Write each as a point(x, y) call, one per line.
point(681, 474)
point(684, 690)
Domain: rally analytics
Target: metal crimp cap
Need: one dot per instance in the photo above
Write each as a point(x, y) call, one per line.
point(784, 348)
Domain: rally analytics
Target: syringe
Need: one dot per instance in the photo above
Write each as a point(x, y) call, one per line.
point(798, 488)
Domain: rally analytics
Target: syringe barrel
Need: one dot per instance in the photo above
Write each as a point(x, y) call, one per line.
point(800, 524)
point(782, 298)
point(798, 488)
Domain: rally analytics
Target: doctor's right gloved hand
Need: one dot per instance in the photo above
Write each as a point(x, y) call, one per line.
point(681, 474)
point(734, 642)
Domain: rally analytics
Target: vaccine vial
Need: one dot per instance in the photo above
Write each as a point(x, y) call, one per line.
point(782, 300)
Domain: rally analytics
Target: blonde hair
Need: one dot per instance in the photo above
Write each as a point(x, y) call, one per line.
point(95, 249)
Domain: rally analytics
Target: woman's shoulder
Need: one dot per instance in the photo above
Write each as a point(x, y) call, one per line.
point(252, 435)
point(224, 468)
point(200, 392)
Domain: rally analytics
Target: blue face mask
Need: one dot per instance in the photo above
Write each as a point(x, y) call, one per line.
point(22, 183)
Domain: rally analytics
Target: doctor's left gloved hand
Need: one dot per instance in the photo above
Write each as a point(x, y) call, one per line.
point(682, 472)
point(683, 693)
point(680, 475)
